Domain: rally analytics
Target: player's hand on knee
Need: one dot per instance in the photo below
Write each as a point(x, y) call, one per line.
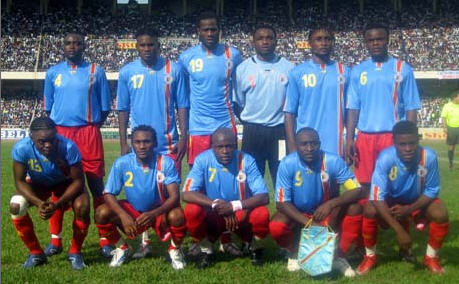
point(46, 210)
point(224, 208)
point(400, 212)
point(322, 212)
point(404, 240)
point(145, 219)
point(231, 223)
point(129, 226)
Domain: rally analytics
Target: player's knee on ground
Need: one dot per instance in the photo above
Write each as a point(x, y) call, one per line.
point(18, 206)
point(354, 209)
point(436, 212)
point(369, 210)
point(102, 215)
point(176, 217)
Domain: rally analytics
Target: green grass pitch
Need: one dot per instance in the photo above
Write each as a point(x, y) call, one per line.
point(226, 270)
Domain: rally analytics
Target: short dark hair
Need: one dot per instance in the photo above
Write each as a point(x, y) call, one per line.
point(321, 27)
point(146, 31)
point(42, 123)
point(227, 132)
point(146, 128)
point(205, 15)
point(405, 127)
point(78, 33)
point(264, 26)
point(307, 129)
point(375, 26)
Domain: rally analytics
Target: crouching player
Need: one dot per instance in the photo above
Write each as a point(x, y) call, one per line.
point(43, 164)
point(225, 192)
point(404, 186)
point(151, 185)
point(303, 192)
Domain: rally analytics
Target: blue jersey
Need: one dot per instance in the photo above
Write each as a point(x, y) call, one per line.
point(395, 181)
point(210, 75)
point(237, 181)
point(260, 90)
point(316, 96)
point(76, 95)
point(152, 95)
point(383, 93)
point(42, 170)
point(144, 185)
point(309, 187)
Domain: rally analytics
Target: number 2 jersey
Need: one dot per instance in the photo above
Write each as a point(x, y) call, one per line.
point(152, 95)
point(383, 92)
point(210, 78)
point(76, 95)
point(307, 187)
point(316, 95)
point(144, 185)
point(238, 180)
point(47, 171)
point(395, 181)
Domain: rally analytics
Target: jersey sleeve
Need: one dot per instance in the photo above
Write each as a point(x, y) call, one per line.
point(283, 183)
point(432, 181)
point(256, 182)
point(344, 175)
point(114, 182)
point(409, 89)
point(353, 97)
point(48, 93)
point(122, 92)
point(170, 172)
point(18, 154)
point(380, 181)
point(292, 94)
point(181, 94)
point(104, 90)
point(195, 178)
point(73, 155)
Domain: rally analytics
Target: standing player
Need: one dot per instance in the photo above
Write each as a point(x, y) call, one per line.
point(381, 92)
point(316, 94)
point(303, 192)
point(43, 164)
point(405, 185)
point(261, 82)
point(225, 192)
point(151, 184)
point(159, 84)
point(450, 116)
point(77, 99)
point(210, 68)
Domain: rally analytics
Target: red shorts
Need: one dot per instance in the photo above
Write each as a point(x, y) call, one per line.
point(367, 148)
point(160, 225)
point(196, 145)
point(89, 141)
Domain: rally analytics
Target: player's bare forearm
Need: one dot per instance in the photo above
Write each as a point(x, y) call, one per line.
point(22, 187)
point(412, 115)
point(113, 204)
point(352, 118)
point(172, 201)
point(197, 198)
point(289, 124)
point(75, 188)
point(421, 203)
point(290, 211)
point(123, 117)
point(385, 214)
point(255, 201)
point(348, 197)
point(182, 114)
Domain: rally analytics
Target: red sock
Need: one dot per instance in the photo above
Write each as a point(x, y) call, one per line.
point(178, 234)
point(55, 223)
point(80, 230)
point(351, 230)
point(195, 217)
point(282, 234)
point(437, 234)
point(369, 232)
point(108, 234)
point(24, 228)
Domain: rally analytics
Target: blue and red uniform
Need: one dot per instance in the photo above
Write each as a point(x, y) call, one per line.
point(210, 80)
point(316, 95)
point(382, 92)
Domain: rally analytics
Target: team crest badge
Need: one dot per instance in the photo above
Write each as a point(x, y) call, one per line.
point(168, 79)
point(145, 169)
point(160, 176)
point(324, 177)
point(283, 79)
point(229, 64)
point(398, 77)
point(241, 177)
point(341, 79)
point(422, 171)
